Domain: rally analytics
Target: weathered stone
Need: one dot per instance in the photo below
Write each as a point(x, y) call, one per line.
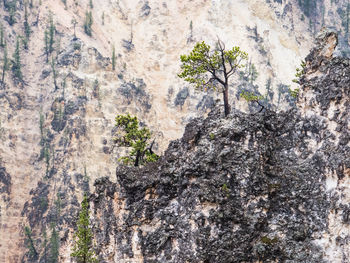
point(245, 188)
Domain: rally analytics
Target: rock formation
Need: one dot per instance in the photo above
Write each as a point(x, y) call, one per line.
point(260, 187)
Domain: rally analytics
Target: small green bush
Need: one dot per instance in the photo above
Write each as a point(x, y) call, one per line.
point(135, 137)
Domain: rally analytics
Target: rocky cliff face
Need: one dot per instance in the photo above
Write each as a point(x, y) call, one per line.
point(260, 187)
point(56, 127)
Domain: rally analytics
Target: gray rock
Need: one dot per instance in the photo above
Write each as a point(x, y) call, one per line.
point(245, 188)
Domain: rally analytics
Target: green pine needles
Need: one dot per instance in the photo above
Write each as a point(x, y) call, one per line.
point(88, 23)
point(207, 68)
point(32, 252)
point(251, 97)
point(131, 135)
point(82, 250)
point(16, 63)
point(113, 58)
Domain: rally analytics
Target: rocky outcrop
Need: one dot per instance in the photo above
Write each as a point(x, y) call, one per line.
point(263, 187)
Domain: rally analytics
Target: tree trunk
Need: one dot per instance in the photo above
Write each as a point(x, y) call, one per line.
point(137, 159)
point(226, 105)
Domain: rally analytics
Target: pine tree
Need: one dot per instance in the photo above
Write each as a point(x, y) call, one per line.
point(54, 243)
point(24, 42)
point(47, 49)
point(33, 254)
point(88, 23)
point(52, 30)
point(54, 73)
point(129, 134)
point(16, 63)
point(5, 65)
point(2, 40)
point(210, 69)
point(91, 4)
point(27, 30)
point(113, 58)
point(82, 250)
point(12, 12)
point(45, 245)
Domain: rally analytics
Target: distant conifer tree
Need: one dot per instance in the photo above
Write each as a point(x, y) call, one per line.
point(88, 23)
point(5, 65)
point(82, 250)
point(16, 63)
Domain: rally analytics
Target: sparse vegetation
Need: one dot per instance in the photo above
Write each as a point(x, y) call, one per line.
point(131, 135)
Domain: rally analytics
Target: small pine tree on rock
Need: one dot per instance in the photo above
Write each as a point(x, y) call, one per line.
point(207, 68)
point(82, 250)
point(131, 135)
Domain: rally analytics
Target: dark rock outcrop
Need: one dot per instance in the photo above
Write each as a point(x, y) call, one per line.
point(266, 187)
point(5, 181)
